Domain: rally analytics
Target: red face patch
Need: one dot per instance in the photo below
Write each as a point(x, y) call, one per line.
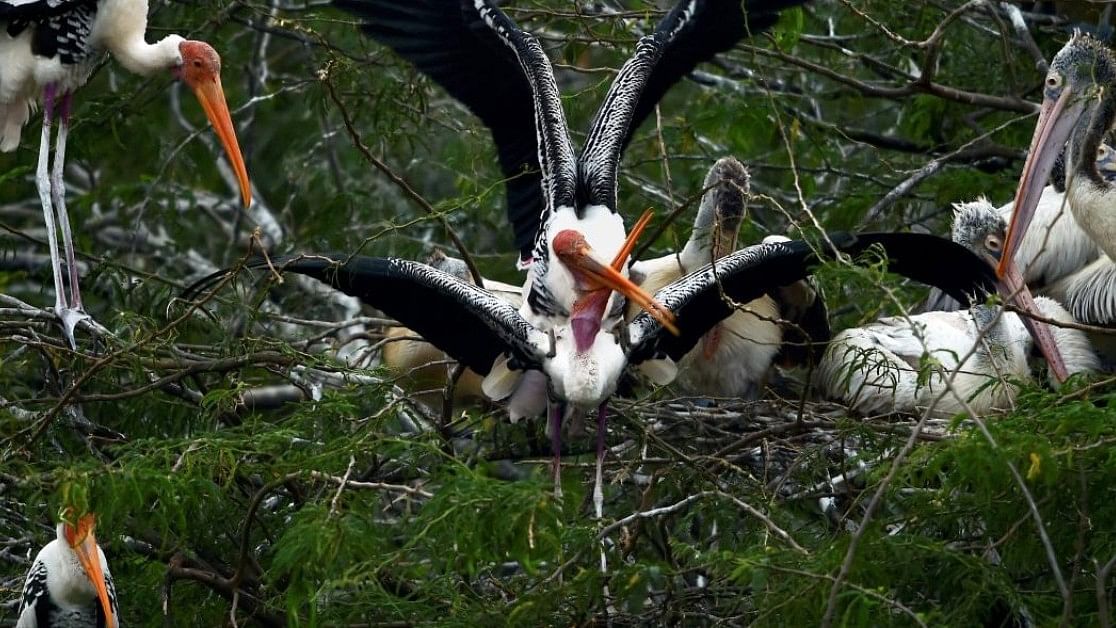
point(200, 62)
point(568, 242)
point(75, 535)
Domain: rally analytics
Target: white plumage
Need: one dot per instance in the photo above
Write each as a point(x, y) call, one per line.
point(902, 364)
point(734, 358)
point(47, 50)
point(115, 26)
point(65, 588)
point(1055, 247)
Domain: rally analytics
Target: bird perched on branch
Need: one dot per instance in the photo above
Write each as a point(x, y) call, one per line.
point(69, 584)
point(563, 207)
point(902, 364)
point(48, 49)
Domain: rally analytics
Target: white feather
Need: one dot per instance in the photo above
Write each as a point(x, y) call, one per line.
point(903, 365)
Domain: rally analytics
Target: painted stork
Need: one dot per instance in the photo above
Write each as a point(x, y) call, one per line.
point(48, 48)
point(494, 339)
point(1078, 109)
point(69, 583)
point(735, 357)
point(563, 208)
point(902, 364)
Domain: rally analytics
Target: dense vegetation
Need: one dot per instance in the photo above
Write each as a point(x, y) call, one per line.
point(255, 465)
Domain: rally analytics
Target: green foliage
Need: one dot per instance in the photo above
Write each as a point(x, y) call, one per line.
point(248, 448)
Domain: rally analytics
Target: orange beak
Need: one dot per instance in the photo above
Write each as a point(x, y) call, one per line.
point(90, 559)
point(633, 237)
point(212, 99)
point(601, 275)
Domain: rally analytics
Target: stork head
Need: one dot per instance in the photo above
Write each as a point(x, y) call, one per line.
point(1106, 162)
point(723, 206)
point(199, 69)
point(1078, 77)
point(979, 227)
point(77, 534)
point(596, 280)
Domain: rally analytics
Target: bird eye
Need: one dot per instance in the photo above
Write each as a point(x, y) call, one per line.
point(197, 63)
point(992, 243)
point(1053, 80)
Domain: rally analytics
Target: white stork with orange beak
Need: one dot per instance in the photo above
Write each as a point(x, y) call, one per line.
point(69, 583)
point(48, 48)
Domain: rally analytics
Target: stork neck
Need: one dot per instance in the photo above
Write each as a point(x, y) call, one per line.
point(140, 57)
point(1088, 192)
point(699, 248)
point(1086, 138)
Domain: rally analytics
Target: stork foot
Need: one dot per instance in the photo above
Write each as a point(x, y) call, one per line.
point(71, 318)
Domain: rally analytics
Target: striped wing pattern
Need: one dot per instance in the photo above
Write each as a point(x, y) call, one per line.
point(469, 323)
point(706, 296)
point(556, 153)
point(60, 27)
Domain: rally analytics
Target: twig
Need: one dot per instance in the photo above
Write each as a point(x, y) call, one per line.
point(400, 182)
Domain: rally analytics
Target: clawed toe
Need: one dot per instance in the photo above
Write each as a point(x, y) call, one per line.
point(70, 318)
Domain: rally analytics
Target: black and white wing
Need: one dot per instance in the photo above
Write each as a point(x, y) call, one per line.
point(703, 298)
point(35, 604)
point(702, 21)
point(693, 32)
point(59, 27)
point(556, 155)
point(470, 324)
point(452, 45)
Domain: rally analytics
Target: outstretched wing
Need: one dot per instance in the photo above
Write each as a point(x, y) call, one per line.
point(468, 323)
point(693, 32)
point(704, 298)
point(556, 154)
point(452, 45)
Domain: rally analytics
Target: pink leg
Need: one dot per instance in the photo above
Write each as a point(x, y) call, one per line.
point(555, 427)
point(42, 182)
point(598, 482)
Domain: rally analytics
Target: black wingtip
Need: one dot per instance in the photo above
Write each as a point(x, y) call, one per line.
point(932, 260)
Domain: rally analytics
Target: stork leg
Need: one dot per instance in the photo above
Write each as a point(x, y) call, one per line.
point(75, 313)
point(598, 481)
point(554, 425)
point(42, 182)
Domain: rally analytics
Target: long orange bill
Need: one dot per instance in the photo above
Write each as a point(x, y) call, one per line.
point(1056, 120)
point(630, 242)
point(212, 99)
point(1014, 290)
point(611, 278)
point(90, 561)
